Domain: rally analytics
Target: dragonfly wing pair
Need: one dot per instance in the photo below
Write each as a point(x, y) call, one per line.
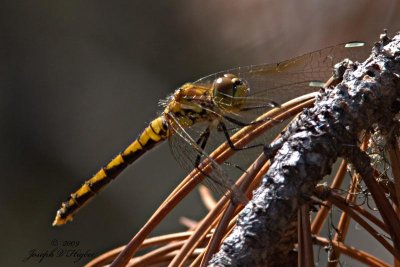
point(289, 79)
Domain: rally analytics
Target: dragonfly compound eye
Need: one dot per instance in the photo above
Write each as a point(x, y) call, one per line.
point(229, 90)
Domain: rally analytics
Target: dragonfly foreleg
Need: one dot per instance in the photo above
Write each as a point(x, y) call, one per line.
point(239, 123)
point(202, 142)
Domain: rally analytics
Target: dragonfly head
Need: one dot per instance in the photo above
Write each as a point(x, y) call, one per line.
point(229, 91)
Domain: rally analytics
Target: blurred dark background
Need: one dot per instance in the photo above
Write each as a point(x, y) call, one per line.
point(80, 79)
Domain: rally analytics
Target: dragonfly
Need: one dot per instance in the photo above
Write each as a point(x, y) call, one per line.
point(217, 105)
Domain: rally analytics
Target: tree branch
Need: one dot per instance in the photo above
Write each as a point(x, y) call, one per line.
point(366, 98)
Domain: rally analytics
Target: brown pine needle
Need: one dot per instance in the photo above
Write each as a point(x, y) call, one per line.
point(207, 198)
point(189, 223)
point(153, 241)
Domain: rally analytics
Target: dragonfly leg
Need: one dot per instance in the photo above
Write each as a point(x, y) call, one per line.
point(239, 123)
point(202, 141)
point(222, 127)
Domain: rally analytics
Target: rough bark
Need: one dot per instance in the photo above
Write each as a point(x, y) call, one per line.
point(367, 97)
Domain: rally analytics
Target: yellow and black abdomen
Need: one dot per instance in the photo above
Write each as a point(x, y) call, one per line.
point(156, 132)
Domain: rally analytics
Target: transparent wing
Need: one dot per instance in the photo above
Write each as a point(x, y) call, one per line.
point(286, 80)
point(186, 151)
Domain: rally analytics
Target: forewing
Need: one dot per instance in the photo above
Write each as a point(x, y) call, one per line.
point(280, 82)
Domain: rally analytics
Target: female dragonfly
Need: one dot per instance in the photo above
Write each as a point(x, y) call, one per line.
point(217, 105)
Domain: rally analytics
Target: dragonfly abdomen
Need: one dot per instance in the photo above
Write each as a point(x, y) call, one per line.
point(156, 132)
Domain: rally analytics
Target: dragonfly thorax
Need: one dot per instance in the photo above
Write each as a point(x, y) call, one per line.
point(188, 98)
point(229, 92)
